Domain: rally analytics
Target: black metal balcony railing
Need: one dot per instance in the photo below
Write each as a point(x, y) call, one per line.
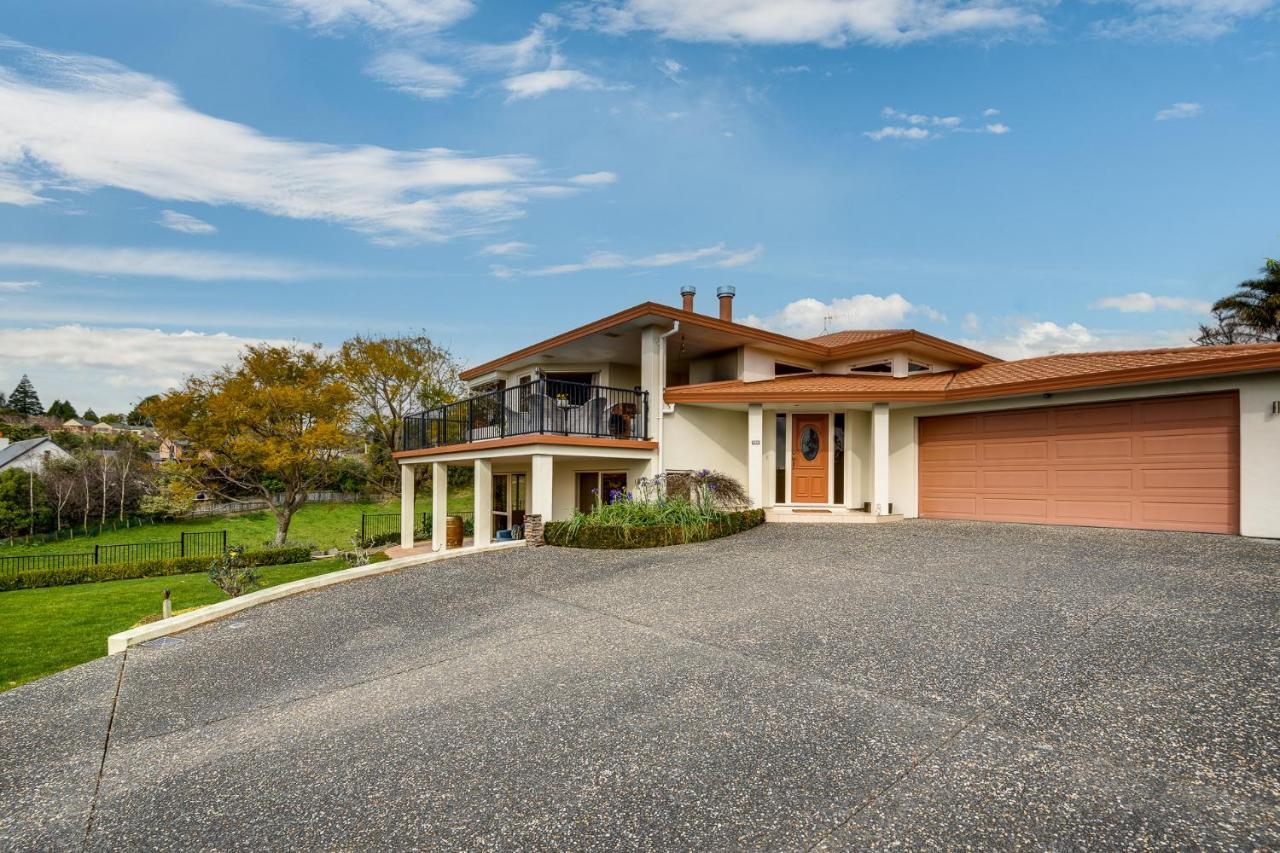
point(546, 406)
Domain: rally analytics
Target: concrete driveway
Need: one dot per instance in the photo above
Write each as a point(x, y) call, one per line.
point(919, 684)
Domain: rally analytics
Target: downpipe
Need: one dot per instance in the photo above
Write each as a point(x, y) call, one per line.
point(662, 387)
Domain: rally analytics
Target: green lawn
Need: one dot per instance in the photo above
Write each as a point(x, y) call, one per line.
point(329, 525)
point(46, 630)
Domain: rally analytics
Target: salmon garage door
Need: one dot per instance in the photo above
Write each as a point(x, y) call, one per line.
point(1169, 463)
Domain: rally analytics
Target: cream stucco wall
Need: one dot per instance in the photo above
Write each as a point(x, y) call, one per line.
point(695, 438)
point(1259, 440)
point(564, 479)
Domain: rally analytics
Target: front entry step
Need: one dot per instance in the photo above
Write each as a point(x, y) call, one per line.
point(825, 515)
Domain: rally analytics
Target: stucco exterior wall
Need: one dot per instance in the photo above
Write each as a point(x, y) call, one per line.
point(1259, 440)
point(696, 438)
point(564, 479)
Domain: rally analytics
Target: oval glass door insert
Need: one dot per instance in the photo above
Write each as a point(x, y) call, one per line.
point(809, 443)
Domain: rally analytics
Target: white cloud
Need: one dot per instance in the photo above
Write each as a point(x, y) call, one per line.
point(1182, 19)
point(791, 69)
point(81, 123)
point(594, 179)
point(511, 247)
point(535, 84)
point(806, 318)
point(671, 69)
point(990, 112)
point(181, 222)
point(971, 323)
point(1182, 109)
point(825, 22)
point(911, 133)
point(17, 286)
point(1030, 338)
point(109, 368)
point(740, 259)
point(168, 263)
point(406, 73)
point(1144, 303)
point(1021, 337)
point(918, 119)
point(717, 255)
point(391, 15)
point(919, 126)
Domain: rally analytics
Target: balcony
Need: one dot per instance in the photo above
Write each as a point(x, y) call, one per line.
point(541, 407)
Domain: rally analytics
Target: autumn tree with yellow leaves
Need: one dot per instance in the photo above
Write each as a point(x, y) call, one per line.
point(271, 427)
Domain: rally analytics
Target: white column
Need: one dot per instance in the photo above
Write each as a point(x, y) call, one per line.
point(880, 459)
point(651, 375)
point(407, 513)
point(540, 487)
point(852, 473)
point(439, 504)
point(755, 454)
point(484, 502)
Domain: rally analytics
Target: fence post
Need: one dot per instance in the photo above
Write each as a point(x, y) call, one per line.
point(182, 545)
point(95, 555)
point(224, 540)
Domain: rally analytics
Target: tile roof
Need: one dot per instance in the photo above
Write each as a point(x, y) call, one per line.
point(854, 336)
point(1044, 373)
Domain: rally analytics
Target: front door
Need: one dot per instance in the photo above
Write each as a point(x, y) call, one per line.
point(809, 454)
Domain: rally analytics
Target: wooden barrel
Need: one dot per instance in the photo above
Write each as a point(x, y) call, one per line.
point(453, 531)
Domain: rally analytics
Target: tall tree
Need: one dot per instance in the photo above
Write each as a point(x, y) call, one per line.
point(270, 427)
point(90, 415)
point(1250, 315)
point(3, 404)
point(135, 416)
point(390, 377)
point(24, 398)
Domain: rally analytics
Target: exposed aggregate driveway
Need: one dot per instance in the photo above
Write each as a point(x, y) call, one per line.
point(924, 684)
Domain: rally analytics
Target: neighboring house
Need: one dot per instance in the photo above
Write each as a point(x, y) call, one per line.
point(863, 425)
point(78, 425)
point(169, 450)
point(104, 428)
point(29, 455)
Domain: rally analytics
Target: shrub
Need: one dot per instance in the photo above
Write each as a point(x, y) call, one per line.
point(37, 578)
point(709, 487)
point(617, 536)
point(230, 573)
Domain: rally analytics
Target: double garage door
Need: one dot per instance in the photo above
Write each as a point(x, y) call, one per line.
point(1169, 463)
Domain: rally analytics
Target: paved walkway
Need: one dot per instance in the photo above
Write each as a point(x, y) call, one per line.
point(917, 684)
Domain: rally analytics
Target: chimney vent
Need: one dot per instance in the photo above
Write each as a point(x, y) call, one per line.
point(725, 292)
point(687, 293)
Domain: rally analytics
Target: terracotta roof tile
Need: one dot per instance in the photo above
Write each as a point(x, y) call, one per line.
point(853, 336)
point(1045, 373)
point(1092, 363)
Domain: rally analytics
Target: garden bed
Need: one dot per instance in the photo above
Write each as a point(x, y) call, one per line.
point(619, 536)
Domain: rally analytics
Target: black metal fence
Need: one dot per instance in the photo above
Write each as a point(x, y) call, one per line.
point(378, 524)
point(546, 406)
point(209, 543)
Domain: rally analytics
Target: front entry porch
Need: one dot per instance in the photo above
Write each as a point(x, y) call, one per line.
point(516, 481)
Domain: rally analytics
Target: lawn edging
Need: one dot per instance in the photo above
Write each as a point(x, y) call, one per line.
point(118, 643)
point(619, 536)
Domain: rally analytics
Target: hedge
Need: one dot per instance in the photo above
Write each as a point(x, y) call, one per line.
point(613, 537)
point(146, 569)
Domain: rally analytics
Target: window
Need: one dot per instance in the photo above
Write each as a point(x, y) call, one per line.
point(780, 459)
point(573, 386)
point(876, 367)
point(917, 367)
point(603, 484)
point(780, 369)
point(810, 443)
point(838, 452)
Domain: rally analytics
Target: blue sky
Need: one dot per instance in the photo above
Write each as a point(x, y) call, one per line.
point(1028, 176)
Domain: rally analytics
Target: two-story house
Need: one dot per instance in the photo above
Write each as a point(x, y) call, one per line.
point(862, 425)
